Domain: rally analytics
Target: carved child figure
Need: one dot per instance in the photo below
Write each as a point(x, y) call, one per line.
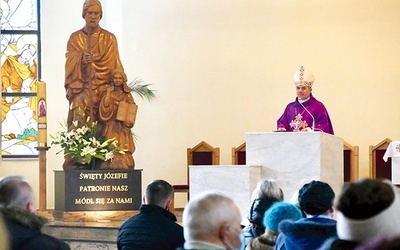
point(117, 110)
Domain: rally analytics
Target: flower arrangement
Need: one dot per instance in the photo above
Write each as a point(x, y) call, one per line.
point(79, 142)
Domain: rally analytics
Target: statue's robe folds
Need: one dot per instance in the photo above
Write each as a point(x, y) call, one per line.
point(78, 76)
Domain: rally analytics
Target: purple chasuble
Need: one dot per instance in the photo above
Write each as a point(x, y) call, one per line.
point(296, 118)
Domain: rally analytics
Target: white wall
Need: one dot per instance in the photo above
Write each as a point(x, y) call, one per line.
point(223, 68)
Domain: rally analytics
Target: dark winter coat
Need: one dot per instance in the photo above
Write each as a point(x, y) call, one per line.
point(24, 231)
point(256, 215)
point(153, 228)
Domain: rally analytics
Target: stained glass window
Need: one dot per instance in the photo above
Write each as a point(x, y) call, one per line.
point(20, 68)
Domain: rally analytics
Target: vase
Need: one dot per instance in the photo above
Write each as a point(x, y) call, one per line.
point(81, 163)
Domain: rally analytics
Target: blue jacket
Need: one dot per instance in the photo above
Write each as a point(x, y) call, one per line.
point(305, 234)
point(152, 228)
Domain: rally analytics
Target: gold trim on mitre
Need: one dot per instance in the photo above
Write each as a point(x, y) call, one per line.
point(303, 77)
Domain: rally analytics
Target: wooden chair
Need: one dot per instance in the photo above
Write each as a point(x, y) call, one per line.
point(239, 155)
point(378, 168)
point(201, 154)
point(350, 162)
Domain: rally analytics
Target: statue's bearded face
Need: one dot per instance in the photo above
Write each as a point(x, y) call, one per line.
point(93, 16)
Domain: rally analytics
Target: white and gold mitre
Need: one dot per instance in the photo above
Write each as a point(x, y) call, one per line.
point(303, 77)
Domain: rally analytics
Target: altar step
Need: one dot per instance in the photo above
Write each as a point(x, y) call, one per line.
point(86, 236)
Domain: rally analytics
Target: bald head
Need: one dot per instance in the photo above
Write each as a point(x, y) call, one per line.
point(205, 214)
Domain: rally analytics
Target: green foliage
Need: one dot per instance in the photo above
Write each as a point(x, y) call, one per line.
point(141, 89)
point(79, 141)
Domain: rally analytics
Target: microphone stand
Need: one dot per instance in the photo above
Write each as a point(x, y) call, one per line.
point(313, 119)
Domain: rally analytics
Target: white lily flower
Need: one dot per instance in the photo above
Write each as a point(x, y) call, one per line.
point(109, 156)
point(88, 151)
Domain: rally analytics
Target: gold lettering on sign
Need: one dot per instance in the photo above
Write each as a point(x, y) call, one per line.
point(101, 201)
point(84, 201)
point(90, 176)
point(121, 188)
point(100, 185)
point(94, 188)
point(123, 200)
point(115, 176)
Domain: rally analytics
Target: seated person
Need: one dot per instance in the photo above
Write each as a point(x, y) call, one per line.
point(366, 209)
point(278, 212)
point(211, 221)
point(306, 113)
point(264, 195)
point(24, 226)
point(154, 227)
point(316, 200)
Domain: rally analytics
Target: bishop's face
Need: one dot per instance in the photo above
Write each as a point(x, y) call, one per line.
point(303, 92)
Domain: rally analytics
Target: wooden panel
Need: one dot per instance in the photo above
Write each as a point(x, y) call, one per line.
point(239, 155)
point(201, 154)
point(376, 161)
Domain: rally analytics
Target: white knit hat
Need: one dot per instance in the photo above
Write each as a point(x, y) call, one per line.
point(386, 223)
point(303, 77)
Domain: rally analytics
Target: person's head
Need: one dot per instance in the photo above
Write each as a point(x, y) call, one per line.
point(303, 79)
point(267, 188)
point(278, 212)
point(316, 198)
point(159, 192)
point(119, 79)
point(213, 218)
point(264, 195)
point(15, 192)
point(92, 13)
point(366, 209)
point(27, 52)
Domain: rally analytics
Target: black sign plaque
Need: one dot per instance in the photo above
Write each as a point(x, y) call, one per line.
point(98, 190)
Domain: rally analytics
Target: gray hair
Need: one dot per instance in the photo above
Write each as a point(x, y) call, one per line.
point(267, 188)
point(15, 191)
